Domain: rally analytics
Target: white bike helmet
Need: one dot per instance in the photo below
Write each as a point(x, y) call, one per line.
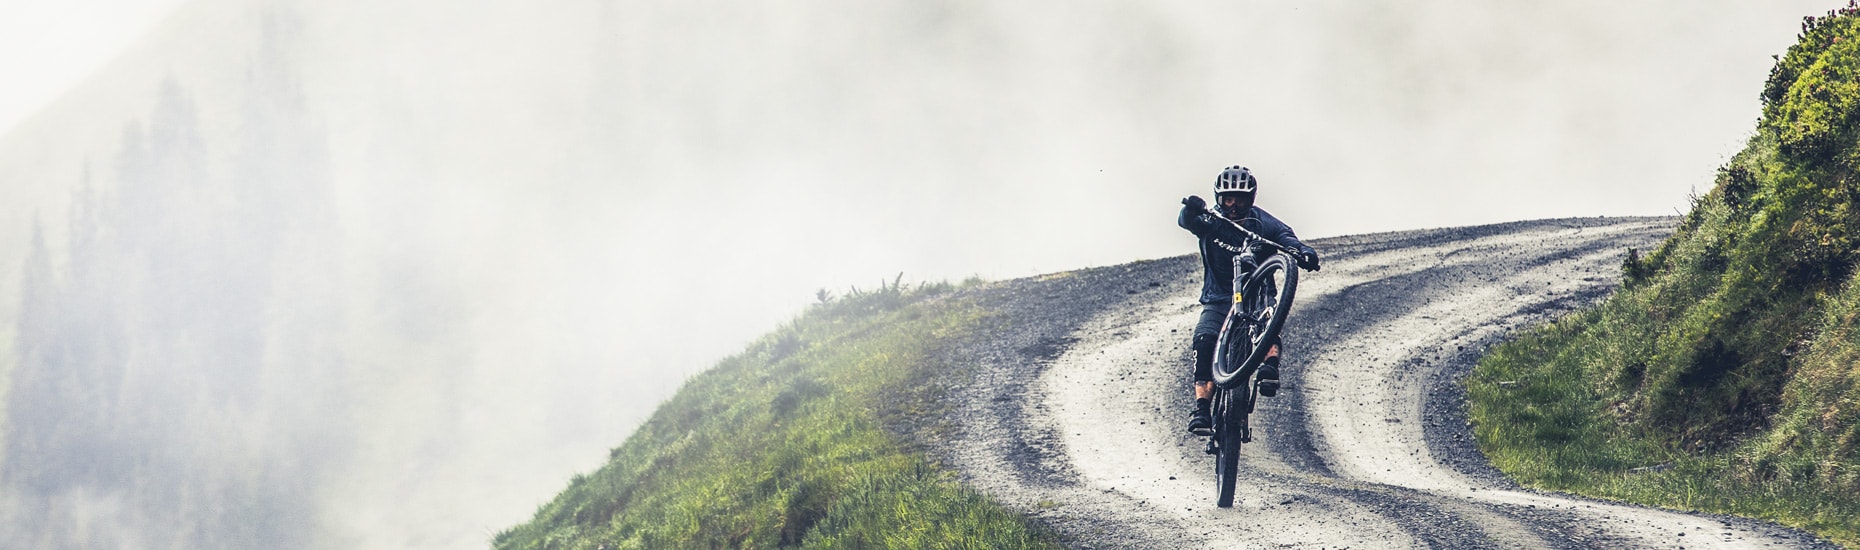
point(1235, 179)
point(1236, 182)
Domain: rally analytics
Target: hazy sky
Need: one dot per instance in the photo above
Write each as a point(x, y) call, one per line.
point(439, 255)
point(47, 46)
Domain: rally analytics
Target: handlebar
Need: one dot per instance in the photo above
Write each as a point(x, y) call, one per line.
point(1247, 235)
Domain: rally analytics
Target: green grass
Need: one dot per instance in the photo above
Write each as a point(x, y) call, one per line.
point(784, 445)
point(1540, 418)
point(1725, 375)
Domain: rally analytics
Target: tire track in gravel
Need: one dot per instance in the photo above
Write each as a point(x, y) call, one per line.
point(1074, 393)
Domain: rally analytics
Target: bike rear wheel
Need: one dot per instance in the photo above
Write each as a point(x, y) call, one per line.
point(1254, 324)
point(1229, 432)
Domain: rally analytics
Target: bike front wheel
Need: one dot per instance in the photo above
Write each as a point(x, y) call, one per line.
point(1265, 299)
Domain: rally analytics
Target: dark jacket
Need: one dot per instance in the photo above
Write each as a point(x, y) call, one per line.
point(1218, 248)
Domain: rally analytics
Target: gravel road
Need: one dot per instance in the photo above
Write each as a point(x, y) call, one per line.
point(1070, 403)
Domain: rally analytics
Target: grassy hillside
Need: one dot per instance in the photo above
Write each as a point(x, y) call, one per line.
point(1725, 375)
point(783, 445)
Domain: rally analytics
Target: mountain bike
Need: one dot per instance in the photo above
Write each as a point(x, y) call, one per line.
point(1265, 278)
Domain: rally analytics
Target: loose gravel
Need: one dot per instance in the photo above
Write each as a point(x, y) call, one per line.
point(1068, 404)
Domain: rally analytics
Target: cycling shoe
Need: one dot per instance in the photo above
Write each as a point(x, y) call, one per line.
point(1269, 377)
point(1199, 422)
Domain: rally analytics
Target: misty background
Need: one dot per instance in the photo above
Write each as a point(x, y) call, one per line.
point(364, 274)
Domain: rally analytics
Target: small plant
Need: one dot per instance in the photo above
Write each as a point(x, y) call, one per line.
point(1633, 272)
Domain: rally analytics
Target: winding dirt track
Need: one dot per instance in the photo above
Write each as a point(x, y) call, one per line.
point(1076, 396)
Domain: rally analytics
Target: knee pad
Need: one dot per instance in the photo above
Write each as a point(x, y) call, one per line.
point(1204, 357)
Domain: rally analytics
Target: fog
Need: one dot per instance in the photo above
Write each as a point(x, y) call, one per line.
point(365, 274)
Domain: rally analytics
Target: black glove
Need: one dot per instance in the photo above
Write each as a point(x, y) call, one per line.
point(1194, 205)
point(1308, 260)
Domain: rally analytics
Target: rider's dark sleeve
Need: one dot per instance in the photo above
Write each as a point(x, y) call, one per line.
point(1197, 223)
point(1281, 233)
point(1205, 225)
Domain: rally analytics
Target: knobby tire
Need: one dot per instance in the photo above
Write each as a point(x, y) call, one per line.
point(1265, 301)
point(1232, 417)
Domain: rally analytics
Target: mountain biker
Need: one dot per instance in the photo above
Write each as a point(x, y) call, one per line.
point(1234, 191)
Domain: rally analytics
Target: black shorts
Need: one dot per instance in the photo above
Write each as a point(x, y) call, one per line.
point(1212, 317)
point(1207, 330)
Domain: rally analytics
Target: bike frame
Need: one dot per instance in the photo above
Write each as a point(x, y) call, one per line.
point(1236, 400)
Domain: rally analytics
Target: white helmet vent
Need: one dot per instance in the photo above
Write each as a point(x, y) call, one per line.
point(1235, 179)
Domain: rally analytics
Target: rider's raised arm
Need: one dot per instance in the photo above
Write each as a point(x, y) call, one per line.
point(1195, 217)
point(1208, 225)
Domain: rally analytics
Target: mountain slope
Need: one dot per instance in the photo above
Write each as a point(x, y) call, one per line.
point(784, 444)
point(1060, 398)
point(1725, 376)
